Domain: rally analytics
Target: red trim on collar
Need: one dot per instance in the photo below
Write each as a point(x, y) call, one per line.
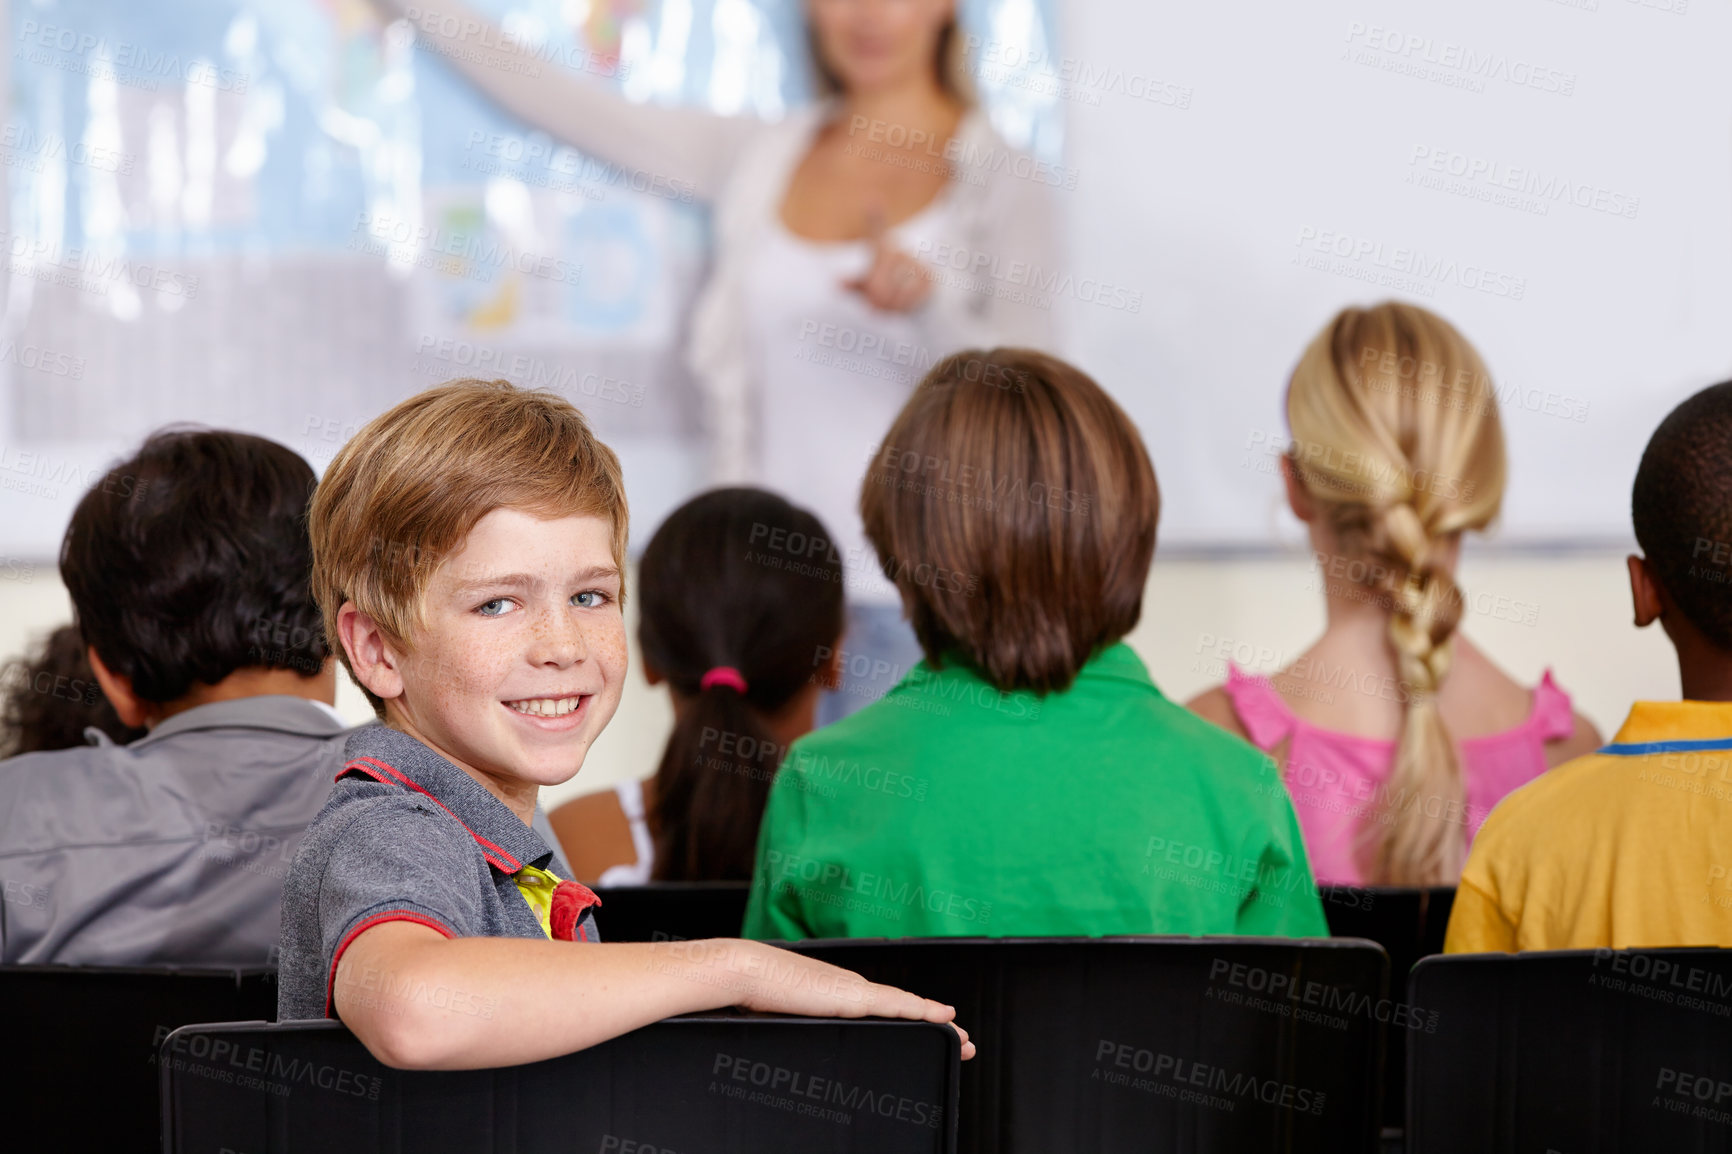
point(565, 917)
point(375, 920)
point(497, 857)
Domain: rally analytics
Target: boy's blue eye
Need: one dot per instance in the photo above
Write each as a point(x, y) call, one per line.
point(600, 598)
point(498, 607)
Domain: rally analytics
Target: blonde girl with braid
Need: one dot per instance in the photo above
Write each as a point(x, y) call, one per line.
point(1396, 736)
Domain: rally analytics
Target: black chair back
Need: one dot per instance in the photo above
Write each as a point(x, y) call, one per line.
point(695, 1085)
point(86, 1039)
point(672, 911)
point(1409, 924)
point(1171, 1044)
point(1578, 1050)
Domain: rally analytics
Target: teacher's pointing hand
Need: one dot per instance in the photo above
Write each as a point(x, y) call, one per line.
point(896, 282)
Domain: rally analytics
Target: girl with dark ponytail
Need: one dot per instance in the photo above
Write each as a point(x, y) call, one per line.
point(740, 597)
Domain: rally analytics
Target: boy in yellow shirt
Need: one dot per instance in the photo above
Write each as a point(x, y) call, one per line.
point(1631, 846)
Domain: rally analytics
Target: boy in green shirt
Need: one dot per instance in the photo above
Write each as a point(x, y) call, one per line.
point(1027, 777)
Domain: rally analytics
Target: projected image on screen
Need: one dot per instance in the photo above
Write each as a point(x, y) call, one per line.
point(284, 216)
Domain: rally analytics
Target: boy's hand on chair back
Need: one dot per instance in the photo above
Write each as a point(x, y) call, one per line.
point(790, 983)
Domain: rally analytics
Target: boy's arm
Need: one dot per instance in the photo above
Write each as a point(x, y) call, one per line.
point(1284, 902)
point(1489, 896)
point(767, 917)
point(772, 912)
point(420, 1000)
point(1477, 924)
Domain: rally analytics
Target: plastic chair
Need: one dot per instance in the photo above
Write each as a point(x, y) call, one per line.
point(694, 1085)
point(671, 911)
point(84, 1041)
point(1409, 924)
point(1583, 1051)
point(1149, 1043)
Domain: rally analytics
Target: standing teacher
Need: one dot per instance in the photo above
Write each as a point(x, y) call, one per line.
point(858, 242)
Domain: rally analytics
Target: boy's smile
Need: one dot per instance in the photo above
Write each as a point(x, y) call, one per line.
point(521, 655)
point(551, 708)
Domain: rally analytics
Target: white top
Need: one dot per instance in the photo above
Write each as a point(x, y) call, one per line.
point(330, 711)
point(802, 426)
point(637, 873)
point(833, 373)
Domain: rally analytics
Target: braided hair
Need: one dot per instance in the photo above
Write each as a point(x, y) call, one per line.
point(1396, 437)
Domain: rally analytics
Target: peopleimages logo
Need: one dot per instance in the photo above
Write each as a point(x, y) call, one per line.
point(1371, 254)
point(988, 271)
point(90, 269)
point(557, 166)
point(1281, 987)
point(831, 883)
point(29, 149)
point(1663, 979)
point(480, 249)
point(816, 1088)
point(257, 1067)
point(1469, 63)
point(1113, 1056)
point(481, 42)
point(520, 368)
point(134, 65)
point(970, 160)
point(1016, 65)
point(1546, 188)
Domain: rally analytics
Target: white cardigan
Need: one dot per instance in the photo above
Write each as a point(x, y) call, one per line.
point(985, 275)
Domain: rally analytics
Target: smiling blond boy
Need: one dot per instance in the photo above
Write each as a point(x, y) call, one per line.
point(469, 561)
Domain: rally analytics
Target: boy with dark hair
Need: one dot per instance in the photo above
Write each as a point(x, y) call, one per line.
point(1627, 847)
point(469, 556)
point(188, 568)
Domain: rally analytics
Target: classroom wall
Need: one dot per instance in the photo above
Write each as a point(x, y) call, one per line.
point(1571, 612)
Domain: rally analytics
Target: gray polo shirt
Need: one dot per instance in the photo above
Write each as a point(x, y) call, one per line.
point(407, 836)
point(172, 849)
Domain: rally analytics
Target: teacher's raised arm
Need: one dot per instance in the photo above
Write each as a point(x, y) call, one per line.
point(691, 149)
point(858, 241)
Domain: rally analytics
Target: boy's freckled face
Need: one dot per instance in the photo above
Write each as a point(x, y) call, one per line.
point(521, 657)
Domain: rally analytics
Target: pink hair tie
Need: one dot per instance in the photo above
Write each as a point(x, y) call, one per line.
point(724, 675)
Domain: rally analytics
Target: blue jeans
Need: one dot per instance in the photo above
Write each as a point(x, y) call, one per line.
point(878, 650)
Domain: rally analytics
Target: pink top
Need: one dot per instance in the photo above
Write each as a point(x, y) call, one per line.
point(1337, 779)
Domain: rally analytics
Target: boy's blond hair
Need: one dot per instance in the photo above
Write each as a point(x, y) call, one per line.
point(406, 490)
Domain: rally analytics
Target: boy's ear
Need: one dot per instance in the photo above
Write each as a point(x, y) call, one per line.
point(375, 663)
point(651, 675)
point(830, 676)
point(128, 706)
point(1644, 592)
point(1298, 497)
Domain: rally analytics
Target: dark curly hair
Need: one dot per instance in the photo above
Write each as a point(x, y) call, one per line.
point(1682, 509)
point(49, 697)
point(191, 560)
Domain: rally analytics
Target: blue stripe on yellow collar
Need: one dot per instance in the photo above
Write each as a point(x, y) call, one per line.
point(1638, 748)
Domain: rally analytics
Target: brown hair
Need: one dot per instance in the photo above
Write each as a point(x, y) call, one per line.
point(949, 64)
point(406, 490)
point(1014, 507)
point(1396, 437)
